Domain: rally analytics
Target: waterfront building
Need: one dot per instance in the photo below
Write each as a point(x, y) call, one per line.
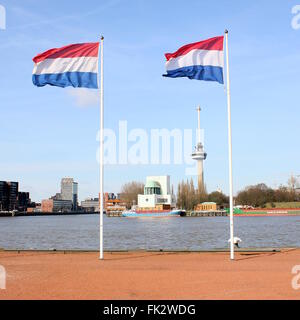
point(8, 195)
point(36, 209)
point(199, 155)
point(157, 194)
point(206, 206)
point(51, 205)
point(113, 203)
point(90, 205)
point(23, 201)
point(69, 191)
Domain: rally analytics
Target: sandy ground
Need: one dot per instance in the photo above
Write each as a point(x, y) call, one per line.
point(145, 275)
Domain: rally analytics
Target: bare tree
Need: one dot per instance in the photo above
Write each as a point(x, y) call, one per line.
point(130, 191)
point(188, 197)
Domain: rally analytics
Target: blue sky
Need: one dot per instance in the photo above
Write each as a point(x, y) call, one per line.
point(46, 133)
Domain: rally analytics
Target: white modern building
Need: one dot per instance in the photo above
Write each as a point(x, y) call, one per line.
point(157, 191)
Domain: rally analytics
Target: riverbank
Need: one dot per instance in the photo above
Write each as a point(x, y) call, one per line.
point(41, 214)
point(149, 275)
point(267, 212)
point(220, 213)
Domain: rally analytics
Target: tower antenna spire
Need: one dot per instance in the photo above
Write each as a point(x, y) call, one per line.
point(199, 130)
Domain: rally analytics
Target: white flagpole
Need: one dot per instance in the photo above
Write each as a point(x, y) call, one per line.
point(229, 151)
point(101, 148)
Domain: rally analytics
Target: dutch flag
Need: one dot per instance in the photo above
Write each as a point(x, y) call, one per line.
point(74, 65)
point(202, 60)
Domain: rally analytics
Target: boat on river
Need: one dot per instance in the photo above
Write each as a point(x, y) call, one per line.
point(152, 213)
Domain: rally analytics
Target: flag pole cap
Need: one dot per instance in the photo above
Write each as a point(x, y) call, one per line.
point(226, 31)
point(102, 38)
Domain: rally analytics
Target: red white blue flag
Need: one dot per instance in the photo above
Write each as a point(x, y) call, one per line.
point(202, 60)
point(74, 65)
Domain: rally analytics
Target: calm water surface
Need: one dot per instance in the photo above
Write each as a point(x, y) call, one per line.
point(81, 232)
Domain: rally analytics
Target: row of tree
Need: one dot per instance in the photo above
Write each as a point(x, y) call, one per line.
point(260, 195)
point(188, 196)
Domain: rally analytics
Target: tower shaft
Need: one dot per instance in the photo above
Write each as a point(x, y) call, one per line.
point(200, 175)
point(199, 155)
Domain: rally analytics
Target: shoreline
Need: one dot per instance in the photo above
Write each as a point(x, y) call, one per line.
point(268, 215)
point(219, 250)
point(150, 275)
point(204, 215)
point(42, 214)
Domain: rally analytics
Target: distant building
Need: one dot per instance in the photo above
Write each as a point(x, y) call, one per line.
point(90, 205)
point(8, 195)
point(69, 191)
point(23, 201)
point(112, 202)
point(65, 201)
point(34, 207)
point(157, 193)
point(206, 206)
point(51, 205)
point(57, 196)
point(75, 195)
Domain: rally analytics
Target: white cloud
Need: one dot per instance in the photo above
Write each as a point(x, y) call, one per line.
point(85, 97)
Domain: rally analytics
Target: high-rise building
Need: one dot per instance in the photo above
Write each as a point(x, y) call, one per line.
point(8, 195)
point(23, 201)
point(75, 196)
point(69, 191)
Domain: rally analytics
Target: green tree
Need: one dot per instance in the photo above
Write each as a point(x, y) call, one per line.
point(256, 196)
point(218, 197)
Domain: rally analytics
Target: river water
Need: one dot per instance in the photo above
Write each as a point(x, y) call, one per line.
point(177, 233)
